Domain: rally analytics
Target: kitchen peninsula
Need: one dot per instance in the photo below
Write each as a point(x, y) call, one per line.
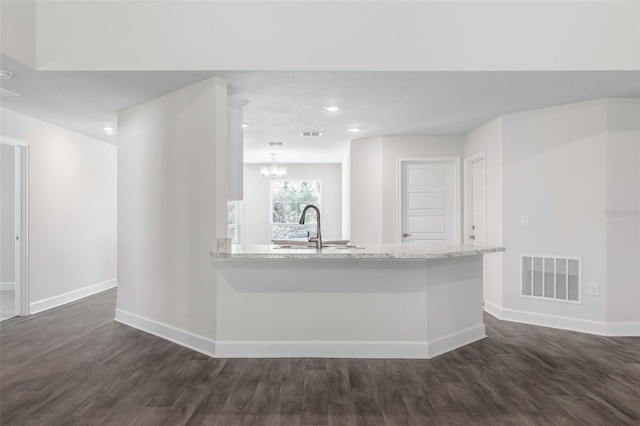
point(389, 301)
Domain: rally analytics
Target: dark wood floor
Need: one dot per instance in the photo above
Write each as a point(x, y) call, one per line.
point(75, 365)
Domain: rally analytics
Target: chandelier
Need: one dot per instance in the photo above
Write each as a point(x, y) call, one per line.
point(273, 172)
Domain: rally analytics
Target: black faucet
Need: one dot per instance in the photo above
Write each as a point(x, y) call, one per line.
point(318, 237)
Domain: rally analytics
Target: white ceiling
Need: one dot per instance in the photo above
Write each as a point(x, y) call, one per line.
point(85, 102)
point(283, 104)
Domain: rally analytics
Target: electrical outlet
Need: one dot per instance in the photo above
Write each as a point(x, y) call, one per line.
point(524, 221)
point(594, 290)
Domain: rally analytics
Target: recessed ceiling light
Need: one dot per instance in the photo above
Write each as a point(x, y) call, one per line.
point(311, 134)
point(245, 125)
point(109, 131)
point(276, 143)
point(332, 108)
point(5, 75)
point(354, 129)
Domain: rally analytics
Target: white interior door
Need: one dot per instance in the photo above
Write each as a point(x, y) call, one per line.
point(478, 204)
point(16, 233)
point(18, 250)
point(428, 201)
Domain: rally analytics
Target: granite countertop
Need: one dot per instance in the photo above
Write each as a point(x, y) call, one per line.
point(407, 251)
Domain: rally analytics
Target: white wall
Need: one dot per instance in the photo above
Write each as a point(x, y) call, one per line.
point(256, 209)
point(555, 172)
point(488, 139)
point(575, 171)
point(7, 213)
point(623, 205)
point(168, 175)
point(72, 207)
point(372, 35)
point(366, 191)
point(374, 180)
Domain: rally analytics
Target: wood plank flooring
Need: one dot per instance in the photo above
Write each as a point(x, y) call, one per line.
point(75, 366)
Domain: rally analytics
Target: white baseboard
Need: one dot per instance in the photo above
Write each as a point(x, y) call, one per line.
point(306, 349)
point(7, 286)
point(72, 296)
point(493, 309)
point(173, 334)
point(324, 349)
point(600, 328)
point(453, 341)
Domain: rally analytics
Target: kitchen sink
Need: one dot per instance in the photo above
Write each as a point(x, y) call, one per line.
point(312, 246)
point(342, 246)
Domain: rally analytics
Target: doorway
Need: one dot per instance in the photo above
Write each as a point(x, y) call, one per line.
point(475, 203)
point(429, 200)
point(475, 206)
point(13, 228)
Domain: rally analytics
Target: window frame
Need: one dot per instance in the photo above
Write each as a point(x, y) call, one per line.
point(273, 181)
point(235, 225)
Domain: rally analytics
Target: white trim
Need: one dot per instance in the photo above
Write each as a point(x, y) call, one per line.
point(468, 194)
point(7, 286)
point(26, 259)
point(600, 328)
point(13, 141)
point(173, 334)
point(22, 224)
point(493, 309)
point(456, 189)
point(480, 155)
point(306, 349)
point(456, 340)
point(467, 213)
point(72, 296)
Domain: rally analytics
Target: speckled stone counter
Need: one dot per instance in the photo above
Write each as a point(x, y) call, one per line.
point(408, 251)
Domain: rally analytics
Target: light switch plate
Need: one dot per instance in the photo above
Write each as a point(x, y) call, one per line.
point(524, 221)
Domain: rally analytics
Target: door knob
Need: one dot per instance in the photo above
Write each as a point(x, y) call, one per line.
point(473, 237)
point(406, 235)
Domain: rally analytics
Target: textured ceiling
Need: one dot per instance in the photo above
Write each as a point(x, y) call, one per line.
point(284, 104)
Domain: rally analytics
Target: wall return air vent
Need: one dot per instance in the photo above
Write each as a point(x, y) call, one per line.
point(551, 278)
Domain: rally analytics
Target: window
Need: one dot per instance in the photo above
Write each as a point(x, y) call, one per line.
point(288, 199)
point(233, 221)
